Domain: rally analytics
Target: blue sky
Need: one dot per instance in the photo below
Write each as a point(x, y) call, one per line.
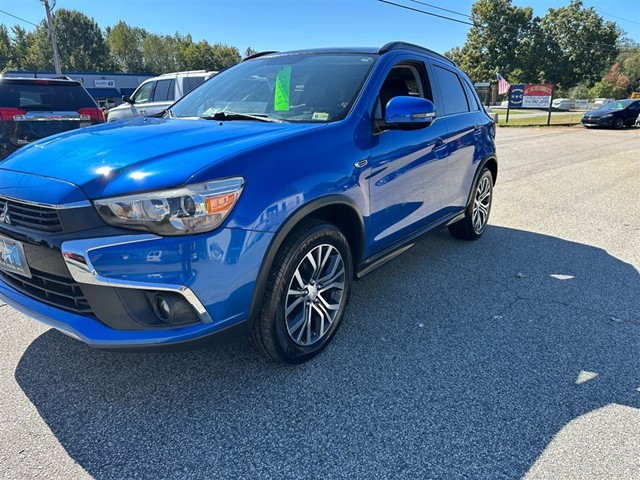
point(292, 24)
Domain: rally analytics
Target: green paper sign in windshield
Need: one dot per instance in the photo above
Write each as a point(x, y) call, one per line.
point(283, 82)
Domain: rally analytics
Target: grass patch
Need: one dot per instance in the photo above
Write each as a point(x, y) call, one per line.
point(556, 118)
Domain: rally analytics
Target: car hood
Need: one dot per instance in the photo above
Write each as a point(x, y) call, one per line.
point(143, 154)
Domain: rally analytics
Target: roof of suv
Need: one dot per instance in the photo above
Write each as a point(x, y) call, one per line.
point(391, 46)
point(40, 81)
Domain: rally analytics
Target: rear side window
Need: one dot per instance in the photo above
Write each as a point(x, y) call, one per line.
point(191, 82)
point(454, 99)
point(44, 97)
point(471, 96)
point(164, 91)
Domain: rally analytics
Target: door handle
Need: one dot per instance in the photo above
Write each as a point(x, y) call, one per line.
point(440, 149)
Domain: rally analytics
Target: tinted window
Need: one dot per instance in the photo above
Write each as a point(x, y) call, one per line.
point(454, 100)
point(164, 91)
point(143, 95)
point(190, 83)
point(471, 96)
point(44, 96)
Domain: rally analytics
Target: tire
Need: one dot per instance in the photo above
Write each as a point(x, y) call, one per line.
point(474, 223)
point(306, 294)
point(618, 123)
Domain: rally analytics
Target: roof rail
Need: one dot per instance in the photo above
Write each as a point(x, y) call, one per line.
point(410, 46)
point(259, 54)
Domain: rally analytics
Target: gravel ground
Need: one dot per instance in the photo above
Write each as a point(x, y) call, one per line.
point(514, 356)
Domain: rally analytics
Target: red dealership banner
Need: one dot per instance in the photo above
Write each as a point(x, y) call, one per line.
point(537, 95)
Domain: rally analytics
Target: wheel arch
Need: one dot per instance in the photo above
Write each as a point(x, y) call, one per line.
point(338, 210)
point(491, 163)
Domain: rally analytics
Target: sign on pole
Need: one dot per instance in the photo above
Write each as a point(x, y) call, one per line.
point(531, 96)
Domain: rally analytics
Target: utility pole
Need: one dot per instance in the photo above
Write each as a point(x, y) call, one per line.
point(52, 33)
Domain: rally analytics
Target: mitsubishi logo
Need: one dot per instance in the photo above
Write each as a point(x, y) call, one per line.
point(4, 215)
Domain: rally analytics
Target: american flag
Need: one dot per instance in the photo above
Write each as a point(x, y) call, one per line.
point(503, 85)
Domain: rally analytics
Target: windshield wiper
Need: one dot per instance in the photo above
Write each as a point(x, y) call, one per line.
point(241, 116)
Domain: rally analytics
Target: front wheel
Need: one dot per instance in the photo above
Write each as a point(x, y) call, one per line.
point(472, 226)
point(306, 294)
point(618, 123)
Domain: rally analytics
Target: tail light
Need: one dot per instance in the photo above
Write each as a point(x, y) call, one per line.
point(94, 114)
point(8, 114)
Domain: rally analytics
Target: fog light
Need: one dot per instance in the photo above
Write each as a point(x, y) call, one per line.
point(163, 307)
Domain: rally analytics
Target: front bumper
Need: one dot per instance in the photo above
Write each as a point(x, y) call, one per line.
point(214, 273)
point(597, 122)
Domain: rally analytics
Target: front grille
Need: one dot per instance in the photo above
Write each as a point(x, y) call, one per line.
point(31, 216)
point(58, 291)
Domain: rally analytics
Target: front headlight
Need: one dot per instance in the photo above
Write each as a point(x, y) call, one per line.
point(191, 209)
point(608, 115)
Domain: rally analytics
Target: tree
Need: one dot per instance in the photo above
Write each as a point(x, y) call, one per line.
point(579, 45)
point(498, 41)
point(6, 51)
point(624, 75)
point(124, 44)
point(160, 53)
point(20, 47)
point(250, 51)
point(225, 56)
point(80, 43)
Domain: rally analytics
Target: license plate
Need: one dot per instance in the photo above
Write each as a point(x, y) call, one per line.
point(12, 257)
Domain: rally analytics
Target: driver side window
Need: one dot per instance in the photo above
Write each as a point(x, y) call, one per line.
point(403, 80)
point(144, 93)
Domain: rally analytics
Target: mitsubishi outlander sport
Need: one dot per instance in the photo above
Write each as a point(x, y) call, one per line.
point(251, 206)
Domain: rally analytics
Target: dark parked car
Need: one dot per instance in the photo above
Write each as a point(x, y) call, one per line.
point(616, 114)
point(34, 108)
point(251, 206)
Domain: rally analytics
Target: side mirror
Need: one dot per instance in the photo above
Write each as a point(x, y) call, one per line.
point(126, 98)
point(410, 112)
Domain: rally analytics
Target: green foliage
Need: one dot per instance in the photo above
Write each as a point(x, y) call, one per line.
point(6, 52)
point(82, 46)
point(569, 46)
point(498, 41)
point(125, 47)
point(580, 45)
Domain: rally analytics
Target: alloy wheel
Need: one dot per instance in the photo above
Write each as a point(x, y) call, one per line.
point(315, 295)
point(482, 204)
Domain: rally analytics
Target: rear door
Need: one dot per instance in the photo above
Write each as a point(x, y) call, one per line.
point(464, 123)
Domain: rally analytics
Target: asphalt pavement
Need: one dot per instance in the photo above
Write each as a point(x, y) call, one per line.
point(513, 356)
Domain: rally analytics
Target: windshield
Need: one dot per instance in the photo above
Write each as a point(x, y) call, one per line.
point(617, 105)
point(291, 88)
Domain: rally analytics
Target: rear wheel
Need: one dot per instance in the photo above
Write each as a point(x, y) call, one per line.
point(472, 226)
point(306, 294)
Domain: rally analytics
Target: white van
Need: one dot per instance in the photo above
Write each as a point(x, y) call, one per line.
point(156, 94)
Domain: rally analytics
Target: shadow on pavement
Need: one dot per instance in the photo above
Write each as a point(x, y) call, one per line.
point(456, 360)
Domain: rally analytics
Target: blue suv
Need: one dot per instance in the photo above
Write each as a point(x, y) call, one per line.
point(251, 205)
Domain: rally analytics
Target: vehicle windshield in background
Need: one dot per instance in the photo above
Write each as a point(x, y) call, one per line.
point(617, 105)
point(292, 88)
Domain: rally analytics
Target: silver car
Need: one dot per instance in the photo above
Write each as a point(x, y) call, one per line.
point(156, 94)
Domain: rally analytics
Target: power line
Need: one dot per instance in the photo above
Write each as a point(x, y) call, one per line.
point(426, 13)
point(443, 9)
point(21, 19)
point(601, 46)
point(619, 18)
